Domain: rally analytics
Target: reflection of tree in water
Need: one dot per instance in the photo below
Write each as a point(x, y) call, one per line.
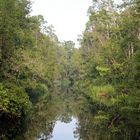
point(63, 108)
point(89, 129)
point(9, 127)
point(44, 117)
point(47, 134)
point(66, 115)
point(40, 126)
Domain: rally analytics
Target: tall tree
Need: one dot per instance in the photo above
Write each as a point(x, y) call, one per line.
point(13, 21)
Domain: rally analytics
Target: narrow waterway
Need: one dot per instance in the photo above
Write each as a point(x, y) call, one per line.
point(58, 120)
point(64, 131)
point(65, 117)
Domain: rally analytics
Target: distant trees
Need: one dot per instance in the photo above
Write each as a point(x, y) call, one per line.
point(105, 69)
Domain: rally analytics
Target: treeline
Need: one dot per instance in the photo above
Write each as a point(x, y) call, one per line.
point(30, 64)
point(34, 65)
point(109, 69)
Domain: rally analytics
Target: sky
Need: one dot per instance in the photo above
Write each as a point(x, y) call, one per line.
point(64, 131)
point(67, 16)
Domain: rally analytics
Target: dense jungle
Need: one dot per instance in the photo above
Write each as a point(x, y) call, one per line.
point(43, 80)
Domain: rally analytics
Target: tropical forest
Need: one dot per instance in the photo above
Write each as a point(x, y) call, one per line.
point(45, 82)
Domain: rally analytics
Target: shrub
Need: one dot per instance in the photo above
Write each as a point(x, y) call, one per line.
point(14, 102)
point(37, 92)
point(101, 94)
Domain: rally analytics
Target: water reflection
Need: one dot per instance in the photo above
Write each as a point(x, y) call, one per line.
point(64, 131)
point(57, 120)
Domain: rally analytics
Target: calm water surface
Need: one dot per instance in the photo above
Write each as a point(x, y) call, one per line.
point(64, 131)
point(60, 121)
point(65, 118)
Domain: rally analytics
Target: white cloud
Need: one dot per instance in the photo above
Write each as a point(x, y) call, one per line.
point(68, 16)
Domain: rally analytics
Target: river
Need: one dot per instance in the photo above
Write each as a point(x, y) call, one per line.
point(63, 131)
point(66, 117)
point(60, 119)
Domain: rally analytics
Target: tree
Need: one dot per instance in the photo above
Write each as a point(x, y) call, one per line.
point(13, 23)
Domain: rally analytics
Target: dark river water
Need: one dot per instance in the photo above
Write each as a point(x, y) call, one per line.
point(61, 119)
point(64, 117)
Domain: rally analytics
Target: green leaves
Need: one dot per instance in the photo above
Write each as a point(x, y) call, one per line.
point(110, 63)
point(101, 119)
point(103, 70)
point(13, 101)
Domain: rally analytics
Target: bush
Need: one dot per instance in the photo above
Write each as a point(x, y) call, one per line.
point(101, 94)
point(14, 102)
point(37, 92)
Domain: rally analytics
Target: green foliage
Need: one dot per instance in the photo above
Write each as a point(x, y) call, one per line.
point(38, 93)
point(110, 61)
point(106, 69)
point(103, 70)
point(28, 61)
point(101, 119)
point(137, 68)
point(102, 93)
point(14, 102)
